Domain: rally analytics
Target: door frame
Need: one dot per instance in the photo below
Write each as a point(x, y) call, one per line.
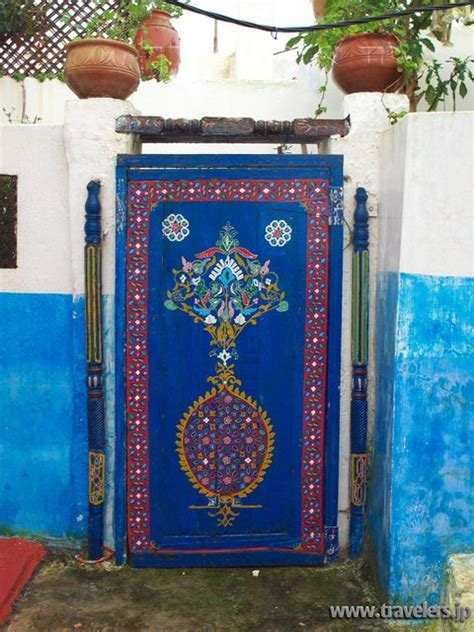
point(334, 166)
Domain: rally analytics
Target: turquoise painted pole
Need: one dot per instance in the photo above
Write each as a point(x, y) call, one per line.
point(360, 350)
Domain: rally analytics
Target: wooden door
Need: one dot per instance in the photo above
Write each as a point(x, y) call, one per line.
point(229, 278)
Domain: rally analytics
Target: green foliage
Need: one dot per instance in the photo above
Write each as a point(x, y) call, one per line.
point(322, 45)
point(161, 68)
point(321, 109)
point(393, 117)
point(9, 114)
point(23, 120)
point(18, 17)
point(158, 68)
point(47, 76)
point(155, 5)
point(15, 16)
point(41, 76)
point(454, 85)
point(415, 34)
point(122, 24)
point(18, 76)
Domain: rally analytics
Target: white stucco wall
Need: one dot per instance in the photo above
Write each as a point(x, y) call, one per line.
point(251, 75)
point(436, 238)
point(427, 194)
point(92, 146)
point(421, 463)
point(36, 154)
point(391, 183)
point(54, 164)
point(361, 169)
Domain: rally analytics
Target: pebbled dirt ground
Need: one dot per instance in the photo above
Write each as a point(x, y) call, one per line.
point(64, 596)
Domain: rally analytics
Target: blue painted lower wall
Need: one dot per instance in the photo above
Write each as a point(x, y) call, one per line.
point(422, 492)
point(379, 505)
point(43, 431)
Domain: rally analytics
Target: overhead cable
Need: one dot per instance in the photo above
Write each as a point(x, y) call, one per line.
point(318, 27)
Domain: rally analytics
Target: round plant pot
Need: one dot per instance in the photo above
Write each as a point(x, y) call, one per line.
point(101, 68)
point(319, 7)
point(164, 39)
point(367, 63)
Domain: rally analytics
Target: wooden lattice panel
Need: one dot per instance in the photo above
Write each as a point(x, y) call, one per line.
point(43, 53)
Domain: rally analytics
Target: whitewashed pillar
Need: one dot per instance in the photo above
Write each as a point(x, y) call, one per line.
point(92, 146)
point(360, 149)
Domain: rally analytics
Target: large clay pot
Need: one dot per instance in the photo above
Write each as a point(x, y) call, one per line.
point(101, 68)
point(367, 63)
point(158, 30)
point(319, 7)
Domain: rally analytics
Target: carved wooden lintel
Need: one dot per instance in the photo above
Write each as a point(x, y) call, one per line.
point(155, 129)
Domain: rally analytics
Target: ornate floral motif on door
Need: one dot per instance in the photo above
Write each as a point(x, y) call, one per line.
point(224, 289)
point(225, 440)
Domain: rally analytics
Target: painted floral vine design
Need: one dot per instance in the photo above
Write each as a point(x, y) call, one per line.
point(225, 439)
point(226, 288)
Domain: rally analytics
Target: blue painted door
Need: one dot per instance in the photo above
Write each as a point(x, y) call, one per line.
point(230, 273)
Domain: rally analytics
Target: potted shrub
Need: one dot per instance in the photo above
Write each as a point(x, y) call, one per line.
point(156, 39)
point(109, 66)
point(104, 66)
point(383, 56)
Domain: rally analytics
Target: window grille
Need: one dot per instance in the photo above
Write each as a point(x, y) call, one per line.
point(8, 220)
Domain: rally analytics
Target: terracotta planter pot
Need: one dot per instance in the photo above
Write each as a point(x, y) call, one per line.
point(164, 38)
point(319, 7)
point(101, 68)
point(367, 63)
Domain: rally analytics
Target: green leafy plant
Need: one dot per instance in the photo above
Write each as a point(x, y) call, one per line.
point(159, 68)
point(24, 119)
point(320, 108)
point(123, 22)
point(158, 5)
point(454, 85)
point(16, 17)
point(415, 34)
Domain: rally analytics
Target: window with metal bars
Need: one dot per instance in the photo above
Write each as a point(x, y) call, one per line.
point(8, 221)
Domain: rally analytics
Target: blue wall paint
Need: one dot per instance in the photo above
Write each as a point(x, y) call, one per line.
point(380, 475)
point(424, 479)
point(43, 440)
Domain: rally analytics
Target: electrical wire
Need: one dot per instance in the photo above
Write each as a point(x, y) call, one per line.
point(316, 27)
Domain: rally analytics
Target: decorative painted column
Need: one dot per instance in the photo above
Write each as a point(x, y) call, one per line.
point(360, 149)
point(95, 372)
point(92, 146)
point(360, 350)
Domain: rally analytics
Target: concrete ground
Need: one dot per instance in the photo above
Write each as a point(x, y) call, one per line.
point(64, 596)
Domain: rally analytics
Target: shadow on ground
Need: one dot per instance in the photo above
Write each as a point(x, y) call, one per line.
point(64, 596)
